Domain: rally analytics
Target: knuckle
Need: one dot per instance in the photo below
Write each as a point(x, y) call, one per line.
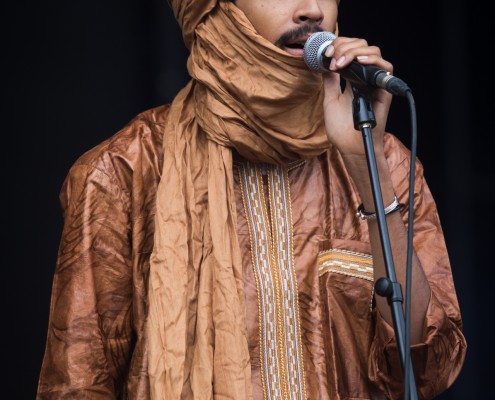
point(376, 50)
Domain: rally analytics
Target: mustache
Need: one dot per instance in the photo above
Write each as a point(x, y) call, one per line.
point(297, 32)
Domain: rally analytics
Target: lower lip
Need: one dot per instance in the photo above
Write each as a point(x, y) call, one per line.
point(294, 52)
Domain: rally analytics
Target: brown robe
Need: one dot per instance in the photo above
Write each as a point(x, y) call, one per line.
point(96, 346)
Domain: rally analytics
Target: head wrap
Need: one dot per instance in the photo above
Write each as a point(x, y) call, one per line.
point(245, 94)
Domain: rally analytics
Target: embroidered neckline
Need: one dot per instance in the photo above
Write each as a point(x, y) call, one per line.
point(271, 236)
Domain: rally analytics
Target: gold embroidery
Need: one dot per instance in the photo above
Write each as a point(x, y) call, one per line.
point(273, 262)
point(284, 258)
point(346, 262)
point(261, 317)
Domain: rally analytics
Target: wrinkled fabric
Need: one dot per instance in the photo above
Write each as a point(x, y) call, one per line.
point(196, 323)
point(232, 66)
point(97, 345)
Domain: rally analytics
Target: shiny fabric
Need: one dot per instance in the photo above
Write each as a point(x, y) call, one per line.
point(196, 323)
point(97, 346)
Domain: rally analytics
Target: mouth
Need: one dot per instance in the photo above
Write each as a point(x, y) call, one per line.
point(293, 41)
point(296, 46)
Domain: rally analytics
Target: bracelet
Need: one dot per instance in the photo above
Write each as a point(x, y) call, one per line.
point(363, 214)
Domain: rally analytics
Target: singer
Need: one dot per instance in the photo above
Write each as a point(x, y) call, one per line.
point(212, 248)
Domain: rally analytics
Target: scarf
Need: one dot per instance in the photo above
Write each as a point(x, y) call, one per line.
point(245, 94)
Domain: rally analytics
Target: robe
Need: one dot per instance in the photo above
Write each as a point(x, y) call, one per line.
point(313, 330)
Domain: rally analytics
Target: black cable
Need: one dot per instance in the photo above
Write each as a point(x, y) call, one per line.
point(410, 235)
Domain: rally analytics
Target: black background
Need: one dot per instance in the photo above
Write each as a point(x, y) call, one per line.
point(75, 72)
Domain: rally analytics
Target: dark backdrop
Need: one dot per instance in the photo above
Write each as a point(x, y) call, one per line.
point(75, 72)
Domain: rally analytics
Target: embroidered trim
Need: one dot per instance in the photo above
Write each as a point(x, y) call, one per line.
point(239, 162)
point(346, 262)
point(281, 354)
point(281, 213)
point(256, 215)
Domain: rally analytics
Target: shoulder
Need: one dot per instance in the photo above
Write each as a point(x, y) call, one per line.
point(117, 163)
point(140, 137)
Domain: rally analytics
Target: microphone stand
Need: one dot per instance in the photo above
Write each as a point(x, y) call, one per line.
point(364, 120)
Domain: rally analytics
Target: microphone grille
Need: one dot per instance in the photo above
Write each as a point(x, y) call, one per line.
point(314, 47)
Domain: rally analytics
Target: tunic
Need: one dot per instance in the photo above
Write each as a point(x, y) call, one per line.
point(313, 329)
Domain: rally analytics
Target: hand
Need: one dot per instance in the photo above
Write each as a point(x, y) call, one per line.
point(338, 105)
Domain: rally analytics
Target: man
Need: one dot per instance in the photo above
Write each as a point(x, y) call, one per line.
point(211, 248)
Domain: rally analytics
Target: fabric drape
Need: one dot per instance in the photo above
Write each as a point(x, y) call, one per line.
point(196, 322)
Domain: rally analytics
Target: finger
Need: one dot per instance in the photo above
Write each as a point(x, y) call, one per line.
point(352, 47)
point(372, 59)
point(358, 50)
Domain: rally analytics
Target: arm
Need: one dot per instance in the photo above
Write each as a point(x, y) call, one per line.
point(439, 355)
point(89, 333)
point(436, 338)
point(341, 133)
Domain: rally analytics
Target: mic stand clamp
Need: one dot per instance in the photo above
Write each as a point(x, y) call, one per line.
point(364, 121)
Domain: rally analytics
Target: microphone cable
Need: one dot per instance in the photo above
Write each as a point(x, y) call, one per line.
point(410, 246)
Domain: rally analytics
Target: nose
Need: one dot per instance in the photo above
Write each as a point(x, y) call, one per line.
point(308, 11)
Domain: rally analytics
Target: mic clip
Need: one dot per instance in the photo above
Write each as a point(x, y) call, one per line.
point(362, 112)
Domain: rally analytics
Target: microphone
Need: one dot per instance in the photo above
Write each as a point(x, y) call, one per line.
point(356, 73)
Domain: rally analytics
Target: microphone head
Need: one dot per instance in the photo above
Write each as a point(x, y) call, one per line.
point(314, 50)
